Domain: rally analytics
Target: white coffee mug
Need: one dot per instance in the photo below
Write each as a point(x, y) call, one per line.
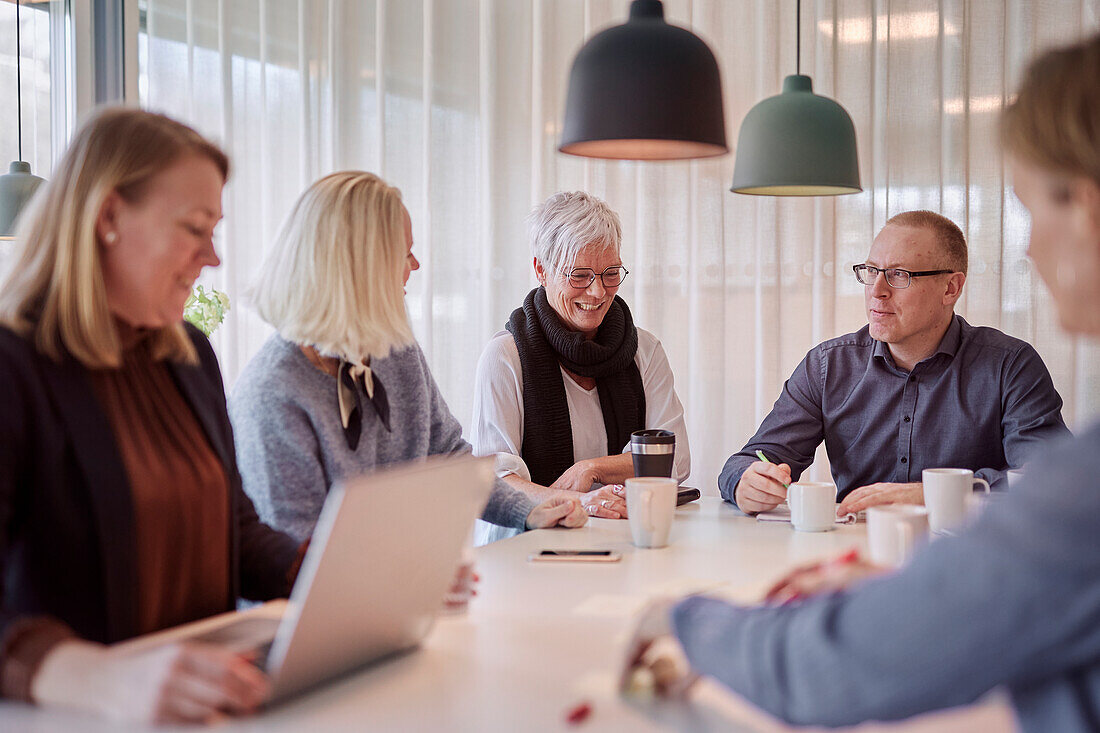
point(945, 492)
point(894, 530)
point(650, 504)
point(813, 506)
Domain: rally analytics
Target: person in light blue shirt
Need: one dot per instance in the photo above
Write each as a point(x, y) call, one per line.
point(1013, 601)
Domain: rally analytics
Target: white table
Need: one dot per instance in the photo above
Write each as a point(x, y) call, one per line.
point(542, 637)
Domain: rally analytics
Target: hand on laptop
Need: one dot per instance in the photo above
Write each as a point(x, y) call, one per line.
point(463, 587)
point(179, 683)
point(561, 511)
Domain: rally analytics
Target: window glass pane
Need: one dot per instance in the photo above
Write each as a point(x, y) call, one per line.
point(35, 112)
point(34, 42)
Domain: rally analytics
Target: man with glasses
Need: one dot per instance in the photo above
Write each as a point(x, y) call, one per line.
point(916, 388)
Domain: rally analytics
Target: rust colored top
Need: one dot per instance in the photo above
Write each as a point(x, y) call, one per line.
point(180, 495)
point(179, 488)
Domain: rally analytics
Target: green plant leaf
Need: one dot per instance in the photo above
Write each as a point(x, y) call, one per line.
point(206, 309)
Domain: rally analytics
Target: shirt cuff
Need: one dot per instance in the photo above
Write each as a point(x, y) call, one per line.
point(509, 463)
point(26, 642)
point(507, 507)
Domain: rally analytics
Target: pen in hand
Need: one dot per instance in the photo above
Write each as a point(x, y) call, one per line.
point(764, 458)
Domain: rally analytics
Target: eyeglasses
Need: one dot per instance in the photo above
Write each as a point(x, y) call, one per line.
point(895, 277)
point(582, 277)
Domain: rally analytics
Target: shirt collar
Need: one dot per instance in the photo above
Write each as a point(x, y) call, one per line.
point(949, 344)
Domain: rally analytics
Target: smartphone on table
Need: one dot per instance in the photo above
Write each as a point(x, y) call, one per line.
point(686, 494)
point(575, 556)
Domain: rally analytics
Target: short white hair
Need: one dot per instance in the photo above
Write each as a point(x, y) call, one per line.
point(333, 279)
point(569, 221)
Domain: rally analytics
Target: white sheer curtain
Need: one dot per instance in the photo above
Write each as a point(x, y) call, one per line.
point(459, 103)
point(38, 28)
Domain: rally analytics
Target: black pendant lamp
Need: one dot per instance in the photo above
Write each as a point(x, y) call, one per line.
point(797, 143)
point(644, 90)
point(18, 185)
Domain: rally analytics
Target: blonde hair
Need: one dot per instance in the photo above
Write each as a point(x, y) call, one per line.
point(567, 222)
point(333, 278)
point(1055, 120)
point(950, 237)
point(53, 293)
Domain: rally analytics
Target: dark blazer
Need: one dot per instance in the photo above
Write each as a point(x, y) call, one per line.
point(66, 517)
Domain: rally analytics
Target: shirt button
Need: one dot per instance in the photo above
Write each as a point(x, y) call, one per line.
point(906, 418)
point(912, 378)
point(904, 459)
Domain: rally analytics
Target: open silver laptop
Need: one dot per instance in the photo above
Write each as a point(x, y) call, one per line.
point(383, 554)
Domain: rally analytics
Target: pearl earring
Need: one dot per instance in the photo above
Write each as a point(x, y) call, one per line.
point(110, 237)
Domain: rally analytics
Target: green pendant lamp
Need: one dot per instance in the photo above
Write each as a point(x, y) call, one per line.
point(644, 90)
point(797, 143)
point(18, 185)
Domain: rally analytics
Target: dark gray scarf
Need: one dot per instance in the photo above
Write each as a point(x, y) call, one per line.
point(544, 344)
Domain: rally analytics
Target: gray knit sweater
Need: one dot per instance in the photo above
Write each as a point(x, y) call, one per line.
point(291, 446)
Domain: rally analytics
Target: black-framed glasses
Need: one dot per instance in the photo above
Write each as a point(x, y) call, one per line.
point(582, 277)
point(895, 276)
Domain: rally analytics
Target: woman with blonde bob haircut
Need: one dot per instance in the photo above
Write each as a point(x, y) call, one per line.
point(343, 387)
point(361, 315)
point(121, 508)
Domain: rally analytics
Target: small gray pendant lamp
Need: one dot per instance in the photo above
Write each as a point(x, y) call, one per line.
point(797, 143)
point(644, 90)
point(18, 185)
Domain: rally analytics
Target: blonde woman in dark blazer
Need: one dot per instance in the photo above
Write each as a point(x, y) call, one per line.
point(121, 509)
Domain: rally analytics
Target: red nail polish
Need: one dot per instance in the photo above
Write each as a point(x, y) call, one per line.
point(579, 714)
point(848, 557)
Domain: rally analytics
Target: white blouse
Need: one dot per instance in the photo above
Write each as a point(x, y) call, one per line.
point(498, 407)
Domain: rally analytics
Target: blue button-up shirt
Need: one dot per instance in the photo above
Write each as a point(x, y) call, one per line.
point(982, 401)
point(1013, 600)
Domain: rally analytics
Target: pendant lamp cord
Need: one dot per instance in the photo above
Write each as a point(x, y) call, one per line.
point(798, 37)
point(18, 81)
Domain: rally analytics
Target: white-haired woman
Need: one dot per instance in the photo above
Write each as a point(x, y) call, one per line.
point(343, 387)
point(121, 509)
point(560, 391)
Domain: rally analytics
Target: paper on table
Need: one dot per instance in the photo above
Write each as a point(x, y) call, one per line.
point(782, 513)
